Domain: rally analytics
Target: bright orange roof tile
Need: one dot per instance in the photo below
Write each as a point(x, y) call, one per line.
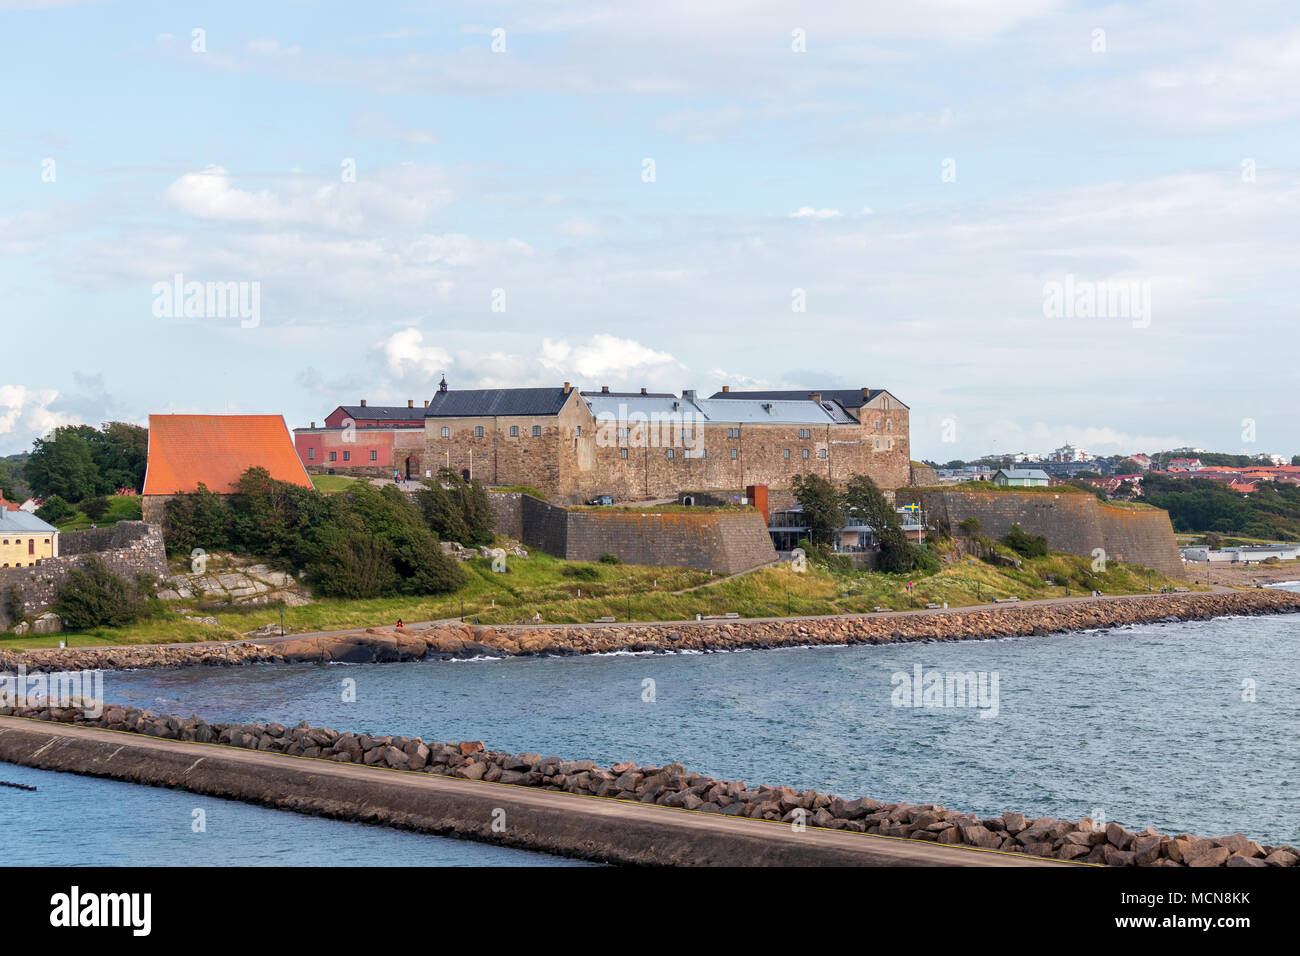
point(185, 450)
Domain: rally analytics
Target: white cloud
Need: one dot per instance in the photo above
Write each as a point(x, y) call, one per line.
point(808, 212)
point(405, 194)
point(25, 414)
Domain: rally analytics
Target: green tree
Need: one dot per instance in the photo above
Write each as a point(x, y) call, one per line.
point(95, 597)
point(63, 465)
point(55, 510)
point(95, 508)
point(456, 509)
point(823, 509)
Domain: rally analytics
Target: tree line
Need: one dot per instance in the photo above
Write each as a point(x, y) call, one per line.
point(826, 509)
point(361, 543)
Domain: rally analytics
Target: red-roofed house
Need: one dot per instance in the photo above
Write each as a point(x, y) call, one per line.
point(214, 450)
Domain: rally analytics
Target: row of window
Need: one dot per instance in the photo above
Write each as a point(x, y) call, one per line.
point(514, 431)
point(334, 456)
point(31, 545)
point(735, 453)
point(19, 564)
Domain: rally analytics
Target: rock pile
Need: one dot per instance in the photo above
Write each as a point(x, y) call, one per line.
point(672, 785)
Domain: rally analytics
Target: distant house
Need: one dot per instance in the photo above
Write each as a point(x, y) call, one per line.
point(1021, 478)
point(25, 539)
point(214, 450)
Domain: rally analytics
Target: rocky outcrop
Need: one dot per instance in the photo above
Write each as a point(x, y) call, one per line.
point(458, 640)
point(672, 785)
point(228, 579)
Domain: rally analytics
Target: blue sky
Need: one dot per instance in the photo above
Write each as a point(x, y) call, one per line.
point(1159, 152)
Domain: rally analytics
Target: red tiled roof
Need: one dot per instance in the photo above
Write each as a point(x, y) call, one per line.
point(185, 450)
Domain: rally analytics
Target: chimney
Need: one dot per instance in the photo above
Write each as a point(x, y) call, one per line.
point(726, 388)
point(604, 390)
point(426, 403)
point(410, 403)
point(567, 388)
point(815, 397)
point(866, 392)
point(313, 424)
point(363, 403)
point(642, 389)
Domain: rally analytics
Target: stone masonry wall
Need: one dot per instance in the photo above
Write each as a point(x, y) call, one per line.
point(127, 549)
point(726, 542)
point(1074, 523)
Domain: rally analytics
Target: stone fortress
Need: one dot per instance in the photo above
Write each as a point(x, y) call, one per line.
point(633, 446)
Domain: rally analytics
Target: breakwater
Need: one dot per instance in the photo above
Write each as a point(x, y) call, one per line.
point(455, 639)
point(670, 785)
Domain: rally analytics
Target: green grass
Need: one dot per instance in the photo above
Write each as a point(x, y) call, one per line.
point(333, 484)
point(579, 592)
point(519, 489)
point(120, 508)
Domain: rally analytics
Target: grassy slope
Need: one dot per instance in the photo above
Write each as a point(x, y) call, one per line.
point(539, 584)
point(120, 508)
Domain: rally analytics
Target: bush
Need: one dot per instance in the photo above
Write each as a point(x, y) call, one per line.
point(96, 597)
point(610, 559)
point(355, 566)
point(95, 508)
point(55, 510)
point(583, 572)
point(15, 605)
point(1024, 544)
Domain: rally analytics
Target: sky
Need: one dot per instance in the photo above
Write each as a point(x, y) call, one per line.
point(1032, 221)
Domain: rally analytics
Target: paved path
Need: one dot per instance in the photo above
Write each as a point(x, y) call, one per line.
point(873, 615)
point(553, 821)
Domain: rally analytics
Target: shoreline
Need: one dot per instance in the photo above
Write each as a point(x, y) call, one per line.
point(624, 813)
point(456, 640)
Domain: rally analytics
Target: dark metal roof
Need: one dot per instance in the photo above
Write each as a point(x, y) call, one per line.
point(847, 397)
point(479, 402)
point(629, 394)
point(386, 413)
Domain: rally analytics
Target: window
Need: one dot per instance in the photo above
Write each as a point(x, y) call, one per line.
point(622, 453)
point(514, 431)
point(671, 453)
point(805, 433)
point(31, 545)
point(622, 433)
point(889, 424)
point(537, 431)
point(374, 455)
point(347, 456)
point(334, 456)
point(877, 444)
point(446, 432)
point(703, 452)
point(577, 430)
point(786, 453)
point(805, 452)
point(733, 432)
point(735, 453)
point(311, 454)
point(876, 424)
point(478, 431)
point(821, 452)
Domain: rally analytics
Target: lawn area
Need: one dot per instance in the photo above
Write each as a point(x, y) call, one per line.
point(575, 592)
point(120, 508)
point(333, 484)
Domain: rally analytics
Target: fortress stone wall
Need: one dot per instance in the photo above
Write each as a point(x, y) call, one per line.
point(127, 549)
point(1071, 522)
point(723, 541)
